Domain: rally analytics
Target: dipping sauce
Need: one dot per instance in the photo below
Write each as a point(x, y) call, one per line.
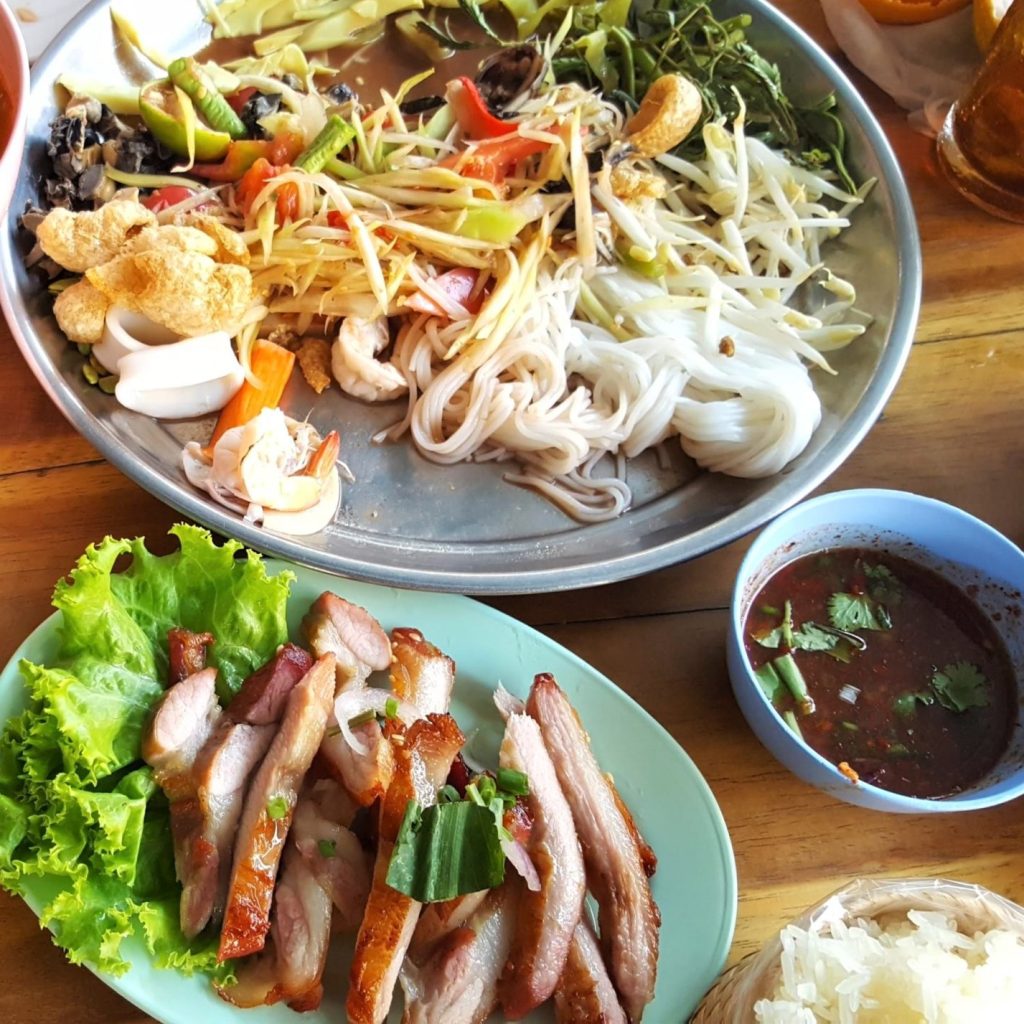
point(6, 117)
point(925, 709)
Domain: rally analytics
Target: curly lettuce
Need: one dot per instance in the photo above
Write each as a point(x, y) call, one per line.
point(84, 830)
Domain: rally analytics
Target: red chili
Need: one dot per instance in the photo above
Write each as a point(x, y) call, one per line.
point(472, 113)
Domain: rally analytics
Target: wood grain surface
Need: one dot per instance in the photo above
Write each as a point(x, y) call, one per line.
point(952, 430)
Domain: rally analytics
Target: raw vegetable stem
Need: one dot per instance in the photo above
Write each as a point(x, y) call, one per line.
point(790, 720)
point(790, 674)
point(188, 76)
point(271, 367)
point(333, 137)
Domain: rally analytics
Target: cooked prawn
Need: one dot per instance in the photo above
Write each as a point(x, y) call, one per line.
point(354, 362)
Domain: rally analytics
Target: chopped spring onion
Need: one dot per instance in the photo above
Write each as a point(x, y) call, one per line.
point(511, 781)
point(277, 808)
point(363, 718)
point(391, 708)
point(849, 694)
point(448, 795)
point(445, 851)
point(326, 847)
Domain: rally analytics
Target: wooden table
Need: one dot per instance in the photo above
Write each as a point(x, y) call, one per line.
point(953, 430)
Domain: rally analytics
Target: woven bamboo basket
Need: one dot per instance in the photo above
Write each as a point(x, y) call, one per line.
point(731, 1000)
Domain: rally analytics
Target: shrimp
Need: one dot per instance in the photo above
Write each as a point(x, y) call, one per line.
point(354, 366)
point(283, 463)
point(272, 469)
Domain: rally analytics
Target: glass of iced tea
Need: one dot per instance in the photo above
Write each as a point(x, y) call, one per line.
point(981, 145)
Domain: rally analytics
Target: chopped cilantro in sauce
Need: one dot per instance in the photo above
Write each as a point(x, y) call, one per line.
point(886, 667)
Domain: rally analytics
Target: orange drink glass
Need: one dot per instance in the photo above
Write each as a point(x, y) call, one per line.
point(981, 145)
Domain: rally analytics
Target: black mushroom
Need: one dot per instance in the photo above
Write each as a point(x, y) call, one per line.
point(508, 74)
point(257, 106)
point(84, 140)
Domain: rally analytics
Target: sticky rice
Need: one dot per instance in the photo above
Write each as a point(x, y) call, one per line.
point(913, 969)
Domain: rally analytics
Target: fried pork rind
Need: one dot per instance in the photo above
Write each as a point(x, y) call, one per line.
point(170, 236)
point(81, 241)
point(187, 292)
point(230, 248)
point(314, 355)
point(80, 311)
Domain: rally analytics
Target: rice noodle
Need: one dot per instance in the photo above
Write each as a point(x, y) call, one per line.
point(573, 362)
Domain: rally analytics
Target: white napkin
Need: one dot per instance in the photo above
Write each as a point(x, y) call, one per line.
point(922, 67)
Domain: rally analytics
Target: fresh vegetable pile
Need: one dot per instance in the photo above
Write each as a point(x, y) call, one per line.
point(606, 230)
point(84, 829)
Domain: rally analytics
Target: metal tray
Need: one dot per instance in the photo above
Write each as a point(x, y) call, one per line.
point(410, 523)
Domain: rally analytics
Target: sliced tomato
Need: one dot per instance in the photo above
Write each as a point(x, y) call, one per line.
point(169, 195)
point(253, 182)
point(494, 161)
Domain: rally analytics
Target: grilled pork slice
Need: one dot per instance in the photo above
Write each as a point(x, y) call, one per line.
point(268, 811)
point(355, 638)
point(292, 963)
point(222, 772)
point(186, 653)
point(323, 863)
point(420, 673)
point(629, 918)
point(458, 982)
point(439, 920)
point(262, 697)
point(547, 918)
point(182, 722)
point(332, 853)
point(421, 767)
point(585, 993)
point(365, 774)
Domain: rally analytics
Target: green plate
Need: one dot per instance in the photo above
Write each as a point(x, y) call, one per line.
point(695, 885)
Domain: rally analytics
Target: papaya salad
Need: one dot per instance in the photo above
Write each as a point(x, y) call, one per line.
point(247, 795)
point(578, 232)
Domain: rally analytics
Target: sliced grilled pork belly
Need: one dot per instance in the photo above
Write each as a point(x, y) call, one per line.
point(262, 697)
point(268, 811)
point(323, 863)
point(291, 966)
point(355, 638)
point(365, 774)
point(420, 673)
point(546, 918)
point(585, 993)
point(222, 772)
point(186, 653)
point(332, 853)
point(421, 767)
point(182, 723)
point(629, 918)
point(458, 983)
point(439, 920)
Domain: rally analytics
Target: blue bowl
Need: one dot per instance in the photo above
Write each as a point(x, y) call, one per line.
point(956, 545)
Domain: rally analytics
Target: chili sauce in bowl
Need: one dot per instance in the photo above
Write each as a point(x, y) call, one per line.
point(885, 668)
point(875, 647)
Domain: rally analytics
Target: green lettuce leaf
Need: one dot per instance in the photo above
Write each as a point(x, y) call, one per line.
point(84, 829)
